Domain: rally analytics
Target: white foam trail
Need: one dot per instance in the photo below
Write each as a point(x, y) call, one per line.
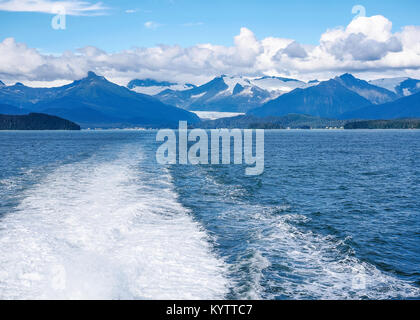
point(320, 270)
point(254, 288)
point(106, 230)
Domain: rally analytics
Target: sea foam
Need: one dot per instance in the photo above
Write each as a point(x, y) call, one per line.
point(105, 228)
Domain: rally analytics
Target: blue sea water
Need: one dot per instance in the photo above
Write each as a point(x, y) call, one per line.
point(91, 215)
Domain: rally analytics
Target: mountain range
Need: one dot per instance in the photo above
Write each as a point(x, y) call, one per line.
point(329, 99)
point(223, 94)
point(339, 98)
point(344, 97)
point(95, 101)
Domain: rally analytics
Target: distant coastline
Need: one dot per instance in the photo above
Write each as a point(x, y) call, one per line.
point(40, 121)
point(301, 121)
point(384, 124)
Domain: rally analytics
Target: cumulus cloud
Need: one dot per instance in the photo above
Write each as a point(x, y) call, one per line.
point(295, 50)
point(71, 7)
point(364, 39)
point(359, 47)
point(366, 47)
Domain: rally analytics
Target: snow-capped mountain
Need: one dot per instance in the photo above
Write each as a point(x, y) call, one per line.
point(346, 97)
point(241, 94)
point(153, 87)
point(388, 83)
point(222, 94)
point(375, 94)
point(401, 86)
point(280, 85)
point(329, 99)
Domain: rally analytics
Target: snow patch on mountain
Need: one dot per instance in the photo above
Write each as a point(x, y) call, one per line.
point(389, 83)
point(278, 84)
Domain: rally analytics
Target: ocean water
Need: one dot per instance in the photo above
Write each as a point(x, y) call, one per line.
point(91, 215)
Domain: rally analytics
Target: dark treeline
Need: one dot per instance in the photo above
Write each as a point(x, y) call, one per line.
point(385, 124)
point(35, 121)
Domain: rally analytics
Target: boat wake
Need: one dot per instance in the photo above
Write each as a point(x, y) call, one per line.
point(108, 227)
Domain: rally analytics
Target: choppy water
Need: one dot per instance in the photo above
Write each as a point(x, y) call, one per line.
point(336, 215)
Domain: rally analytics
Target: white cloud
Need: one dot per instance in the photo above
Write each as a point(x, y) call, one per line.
point(152, 25)
point(367, 48)
point(71, 7)
point(364, 39)
point(295, 50)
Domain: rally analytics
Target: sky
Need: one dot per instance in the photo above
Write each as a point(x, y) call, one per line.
point(218, 36)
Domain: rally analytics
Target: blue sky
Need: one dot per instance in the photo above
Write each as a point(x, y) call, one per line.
point(195, 40)
point(188, 22)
